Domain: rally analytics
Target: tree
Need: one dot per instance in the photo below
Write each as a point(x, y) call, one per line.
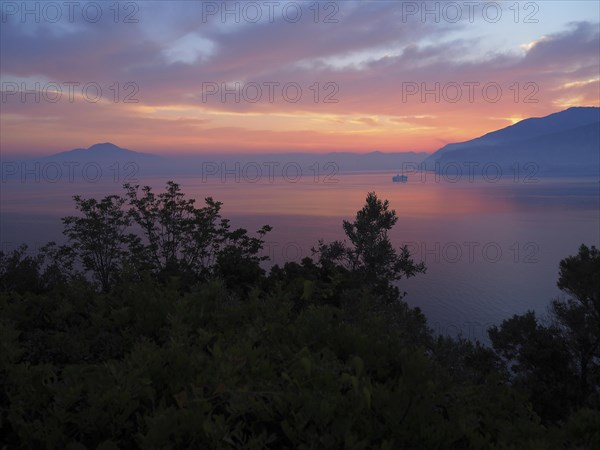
point(58, 265)
point(99, 238)
point(181, 239)
point(23, 272)
point(579, 276)
point(20, 272)
point(371, 256)
point(558, 364)
point(238, 260)
point(167, 221)
point(579, 318)
point(539, 363)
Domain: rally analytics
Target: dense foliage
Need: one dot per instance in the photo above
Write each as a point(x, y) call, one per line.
point(167, 332)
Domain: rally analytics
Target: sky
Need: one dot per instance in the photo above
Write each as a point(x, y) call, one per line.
point(269, 77)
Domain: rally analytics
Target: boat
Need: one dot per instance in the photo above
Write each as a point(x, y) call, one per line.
point(400, 178)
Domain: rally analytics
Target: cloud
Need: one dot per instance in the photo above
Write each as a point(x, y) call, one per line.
point(189, 49)
point(357, 78)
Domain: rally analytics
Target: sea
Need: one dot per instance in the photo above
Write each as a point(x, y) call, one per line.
point(492, 246)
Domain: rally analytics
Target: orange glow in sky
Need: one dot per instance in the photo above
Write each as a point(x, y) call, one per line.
point(182, 82)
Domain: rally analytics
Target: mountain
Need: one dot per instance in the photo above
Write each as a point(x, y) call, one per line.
point(103, 152)
point(107, 161)
point(563, 143)
point(104, 161)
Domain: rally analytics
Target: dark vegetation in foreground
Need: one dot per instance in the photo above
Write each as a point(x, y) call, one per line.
point(171, 335)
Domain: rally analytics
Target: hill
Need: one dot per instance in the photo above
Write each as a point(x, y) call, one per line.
point(99, 152)
point(564, 143)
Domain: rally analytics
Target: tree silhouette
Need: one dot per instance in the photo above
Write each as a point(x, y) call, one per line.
point(50, 267)
point(579, 316)
point(539, 362)
point(371, 256)
point(177, 235)
point(99, 237)
point(181, 239)
point(237, 359)
point(559, 365)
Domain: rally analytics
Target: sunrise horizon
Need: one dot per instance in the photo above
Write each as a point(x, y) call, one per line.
point(57, 148)
point(393, 78)
point(294, 224)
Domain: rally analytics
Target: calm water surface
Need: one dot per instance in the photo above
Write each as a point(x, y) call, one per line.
point(491, 249)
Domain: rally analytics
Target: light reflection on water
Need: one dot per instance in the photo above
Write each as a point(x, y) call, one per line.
point(492, 249)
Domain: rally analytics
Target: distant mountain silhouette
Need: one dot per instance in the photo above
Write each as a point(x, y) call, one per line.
point(100, 152)
point(566, 143)
point(316, 165)
point(563, 143)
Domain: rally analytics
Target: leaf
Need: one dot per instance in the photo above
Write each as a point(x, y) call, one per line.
point(309, 288)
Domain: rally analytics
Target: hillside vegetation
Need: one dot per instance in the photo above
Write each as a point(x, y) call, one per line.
point(157, 326)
